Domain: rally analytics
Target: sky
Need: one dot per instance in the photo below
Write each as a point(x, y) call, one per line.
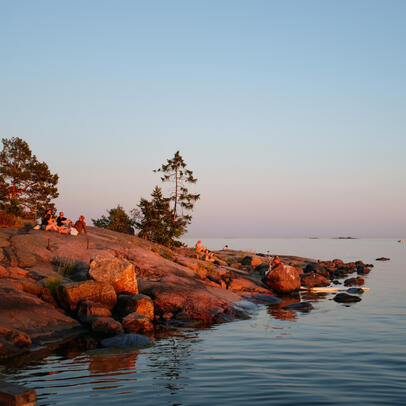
point(291, 114)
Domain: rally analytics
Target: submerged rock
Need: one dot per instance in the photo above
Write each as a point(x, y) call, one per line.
point(126, 340)
point(302, 306)
point(355, 290)
point(267, 298)
point(346, 298)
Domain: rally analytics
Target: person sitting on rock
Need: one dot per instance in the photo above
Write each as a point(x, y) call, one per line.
point(199, 248)
point(63, 223)
point(51, 226)
point(276, 262)
point(45, 219)
point(80, 225)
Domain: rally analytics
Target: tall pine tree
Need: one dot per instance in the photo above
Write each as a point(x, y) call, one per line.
point(175, 172)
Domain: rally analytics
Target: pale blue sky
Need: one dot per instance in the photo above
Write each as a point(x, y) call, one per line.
point(290, 113)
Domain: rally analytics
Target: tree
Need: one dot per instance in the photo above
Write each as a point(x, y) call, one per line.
point(26, 185)
point(156, 220)
point(117, 220)
point(175, 172)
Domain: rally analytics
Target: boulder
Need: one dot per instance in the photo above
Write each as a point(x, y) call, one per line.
point(354, 281)
point(382, 259)
point(313, 279)
point(88, 309)
point(346, 298)
point(118, 272)
point(134, 322)
point(15, 337)
point(141, 304)
point(70, 294)
point(106, 326)
point(126, 340)
point(283, 279)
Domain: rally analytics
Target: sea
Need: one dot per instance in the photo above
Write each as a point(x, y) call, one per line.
point(335, 354)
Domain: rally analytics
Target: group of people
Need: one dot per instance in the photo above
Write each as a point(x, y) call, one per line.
point(63, 225)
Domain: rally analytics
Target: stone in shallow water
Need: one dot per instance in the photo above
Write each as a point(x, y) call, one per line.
point(267, 298)
point(355, 290)
point(126, 340)
point(345, 298)
point(302, 306)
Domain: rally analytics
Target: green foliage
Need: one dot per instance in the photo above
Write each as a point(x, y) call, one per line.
point(53, 284)
point(65, 267)
point(8, 219)
point(155, 219)
point(117, 220)
point(26, 185)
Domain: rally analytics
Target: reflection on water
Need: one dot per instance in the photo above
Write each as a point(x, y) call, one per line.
point(330, 355)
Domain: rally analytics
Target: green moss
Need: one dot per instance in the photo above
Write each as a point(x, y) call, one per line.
point(53, 284)
point(65, 266)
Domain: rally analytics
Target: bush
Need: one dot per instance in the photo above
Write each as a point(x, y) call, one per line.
point(53, 284)
point(8, 219)
point(65, 267)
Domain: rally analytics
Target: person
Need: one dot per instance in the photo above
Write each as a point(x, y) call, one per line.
point(80, 225)
point(276, 262)
point(63, 223)
point(225, 248)
point(199, 248)
point(45, 219)
point(51, 226)
point(61, 220)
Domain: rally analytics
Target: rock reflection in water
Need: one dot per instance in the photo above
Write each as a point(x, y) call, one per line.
point(172, 360)
point(105, 363)
point(278, 312)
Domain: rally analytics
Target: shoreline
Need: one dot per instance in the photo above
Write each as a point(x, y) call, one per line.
point(118, 285)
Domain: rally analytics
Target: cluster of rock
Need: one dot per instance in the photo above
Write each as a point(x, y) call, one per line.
point(121, 285)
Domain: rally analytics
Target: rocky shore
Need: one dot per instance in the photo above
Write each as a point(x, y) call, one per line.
point(54, 287)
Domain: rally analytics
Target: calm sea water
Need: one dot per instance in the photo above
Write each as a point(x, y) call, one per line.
point(333, 355)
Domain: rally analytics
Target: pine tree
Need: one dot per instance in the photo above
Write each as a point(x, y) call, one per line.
point(175, 172)
point(26, 185)
point(117, 220)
